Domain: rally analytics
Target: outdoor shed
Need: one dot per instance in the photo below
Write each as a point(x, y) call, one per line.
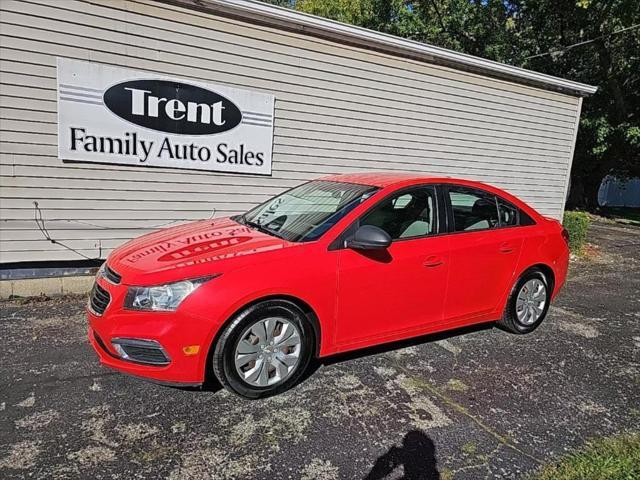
point(319, 97)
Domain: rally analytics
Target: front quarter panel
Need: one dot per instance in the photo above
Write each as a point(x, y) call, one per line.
point(308, 274)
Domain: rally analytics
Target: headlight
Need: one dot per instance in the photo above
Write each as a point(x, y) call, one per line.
point(164, 298)
point(100, 271)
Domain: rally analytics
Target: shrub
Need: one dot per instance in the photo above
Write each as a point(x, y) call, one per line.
point(577, 224)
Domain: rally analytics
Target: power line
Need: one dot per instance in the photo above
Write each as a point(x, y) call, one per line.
point(568, 47)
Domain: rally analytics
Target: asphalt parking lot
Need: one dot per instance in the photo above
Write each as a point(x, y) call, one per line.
point(478, 403)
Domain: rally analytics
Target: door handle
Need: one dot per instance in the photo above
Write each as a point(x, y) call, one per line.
point(506, 248)
point(433, 261)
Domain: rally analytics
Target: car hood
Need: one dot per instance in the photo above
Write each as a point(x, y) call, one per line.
point(189, 250)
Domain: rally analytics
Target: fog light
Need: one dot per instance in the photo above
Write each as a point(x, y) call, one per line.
point(139, 350)
point(190, 350)
point(120, 350)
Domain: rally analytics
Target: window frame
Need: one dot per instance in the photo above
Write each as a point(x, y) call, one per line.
point(511, 205)
point(444, 209)
point(439, 210)
point(497, 199)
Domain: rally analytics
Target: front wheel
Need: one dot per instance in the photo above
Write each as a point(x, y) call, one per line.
point(528, 303)
point(264, 350)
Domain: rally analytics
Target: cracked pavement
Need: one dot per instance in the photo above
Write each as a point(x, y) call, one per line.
point(474, 403)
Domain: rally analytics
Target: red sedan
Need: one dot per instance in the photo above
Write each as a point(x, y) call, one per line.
point(335, 264)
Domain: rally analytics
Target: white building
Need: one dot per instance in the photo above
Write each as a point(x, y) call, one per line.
point(342, 99)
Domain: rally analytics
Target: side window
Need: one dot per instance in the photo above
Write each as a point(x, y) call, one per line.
point(473, 209)
point(406, 215)
point(508, 214)
point(402, 201)
point(525, 219)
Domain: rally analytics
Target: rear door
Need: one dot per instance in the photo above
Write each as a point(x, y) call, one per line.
point(484, 252)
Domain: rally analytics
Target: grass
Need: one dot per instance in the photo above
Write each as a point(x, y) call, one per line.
point(614, 458)
point(469, 448)
point(456, 385)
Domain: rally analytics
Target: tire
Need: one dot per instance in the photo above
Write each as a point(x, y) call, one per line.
point(515, 318)
point(284, 359)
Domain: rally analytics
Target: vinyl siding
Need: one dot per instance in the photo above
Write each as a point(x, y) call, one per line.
point(338, 109)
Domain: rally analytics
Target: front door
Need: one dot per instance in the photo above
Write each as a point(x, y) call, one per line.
point(400, 290)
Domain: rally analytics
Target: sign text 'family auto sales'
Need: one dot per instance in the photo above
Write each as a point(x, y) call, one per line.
point(119, 116)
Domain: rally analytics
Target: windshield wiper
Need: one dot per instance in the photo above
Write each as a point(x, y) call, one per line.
point(258, 227)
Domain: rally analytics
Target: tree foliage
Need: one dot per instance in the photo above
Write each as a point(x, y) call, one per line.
point(540, 35)
point(609, 134)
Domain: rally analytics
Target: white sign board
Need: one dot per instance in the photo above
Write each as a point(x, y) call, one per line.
point(120, 116)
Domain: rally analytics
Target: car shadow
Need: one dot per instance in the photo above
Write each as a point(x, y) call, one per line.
point(381, 256)
point(392, 346)
point(416, 456)
point(213, 385)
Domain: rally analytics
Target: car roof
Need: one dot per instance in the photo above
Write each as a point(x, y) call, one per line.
point(386, 179)
point(403, 179)
point(382, 179)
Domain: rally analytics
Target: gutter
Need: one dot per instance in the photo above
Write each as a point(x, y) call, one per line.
point(256, 12)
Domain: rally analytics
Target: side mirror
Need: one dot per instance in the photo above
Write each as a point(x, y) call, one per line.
point(369, 237)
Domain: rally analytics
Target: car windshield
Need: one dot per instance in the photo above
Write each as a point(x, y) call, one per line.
point(306, 212)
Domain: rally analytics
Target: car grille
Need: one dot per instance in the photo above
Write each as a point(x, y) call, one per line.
point(99, 299)
point(145, 355)
point(112, 276)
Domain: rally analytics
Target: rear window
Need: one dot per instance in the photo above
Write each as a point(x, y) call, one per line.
point(526, 219)
point(508, 213)
point(473, 209)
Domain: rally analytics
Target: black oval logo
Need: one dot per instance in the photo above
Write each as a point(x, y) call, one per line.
point(172, 107)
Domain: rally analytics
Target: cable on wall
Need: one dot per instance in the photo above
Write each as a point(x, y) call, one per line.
point(40, 222)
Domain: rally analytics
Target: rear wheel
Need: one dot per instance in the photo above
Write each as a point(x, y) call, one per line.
point(528, 303)
point(264, 350)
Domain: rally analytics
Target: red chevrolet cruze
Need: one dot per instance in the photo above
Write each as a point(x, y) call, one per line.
point(335, 264)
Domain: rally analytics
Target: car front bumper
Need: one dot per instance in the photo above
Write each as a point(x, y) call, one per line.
point(166, 347)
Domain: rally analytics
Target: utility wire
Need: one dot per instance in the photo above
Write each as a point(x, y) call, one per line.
point(40, 222)
point(37, 216)
point(107, 227)
point(569, 47)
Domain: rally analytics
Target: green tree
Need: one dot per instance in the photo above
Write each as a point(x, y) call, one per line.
point(356, 12)
point(281, 3)
point(609, 135)
point(573, 39)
